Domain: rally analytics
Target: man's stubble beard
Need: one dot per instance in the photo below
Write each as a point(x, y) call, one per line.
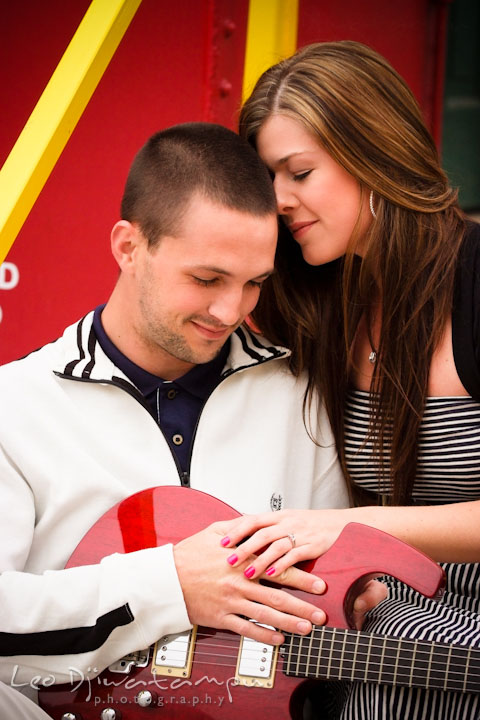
point(176, 345)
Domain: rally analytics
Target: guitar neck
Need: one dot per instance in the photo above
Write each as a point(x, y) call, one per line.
point(338, 654)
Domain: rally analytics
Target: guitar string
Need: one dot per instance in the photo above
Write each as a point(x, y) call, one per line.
point(458, 653)
point(349, 643)
point(354, 639)
point(469, 678)
point(383, 668)
point(350, 637)
point(424, 646)
point(200, 658)
point(215, 661)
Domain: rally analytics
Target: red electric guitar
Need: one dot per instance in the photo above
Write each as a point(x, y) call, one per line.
point(206, 674)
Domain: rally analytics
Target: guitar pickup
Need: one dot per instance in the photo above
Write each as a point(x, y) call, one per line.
point(173, 654)
point(256, 663)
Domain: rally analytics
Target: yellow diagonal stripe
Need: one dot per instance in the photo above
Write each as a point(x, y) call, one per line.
point(271, 36)
point(58, 110)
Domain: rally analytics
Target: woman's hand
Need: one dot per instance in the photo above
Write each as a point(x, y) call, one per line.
point(282, 539)
point(219, 598)
point(286, 538)
point(373, 593)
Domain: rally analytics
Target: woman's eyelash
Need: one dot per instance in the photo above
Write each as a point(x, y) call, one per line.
point(302, 176)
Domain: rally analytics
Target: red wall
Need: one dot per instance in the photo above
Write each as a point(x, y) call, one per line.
point(410, 33)
point(178, 61)
point(167, 69)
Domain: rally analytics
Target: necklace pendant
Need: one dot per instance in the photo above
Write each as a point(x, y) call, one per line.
point(372, 357)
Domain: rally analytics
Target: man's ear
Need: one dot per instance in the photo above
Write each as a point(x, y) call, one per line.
point(125, 239)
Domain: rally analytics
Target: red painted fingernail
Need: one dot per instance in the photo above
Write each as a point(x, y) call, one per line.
point(270, 571)
point(232, 559)
point(249, 572)
point(225, 541)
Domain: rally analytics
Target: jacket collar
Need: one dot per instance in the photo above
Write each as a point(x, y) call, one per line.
point(81, 356)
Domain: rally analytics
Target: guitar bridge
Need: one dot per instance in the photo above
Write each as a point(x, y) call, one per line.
point(173, 654)
point(127, 662)
point(256, 663)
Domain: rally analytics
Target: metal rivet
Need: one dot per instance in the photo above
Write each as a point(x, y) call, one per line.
point(229, 27)
point(225, 87)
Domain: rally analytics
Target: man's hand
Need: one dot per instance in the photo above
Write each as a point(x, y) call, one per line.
point(219, 596)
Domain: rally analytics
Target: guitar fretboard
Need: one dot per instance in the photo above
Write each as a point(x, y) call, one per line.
point(338, 654)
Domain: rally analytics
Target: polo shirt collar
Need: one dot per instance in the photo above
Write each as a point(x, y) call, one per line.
point(199, 381)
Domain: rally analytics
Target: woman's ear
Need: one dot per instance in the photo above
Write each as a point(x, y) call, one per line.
point(125, 239)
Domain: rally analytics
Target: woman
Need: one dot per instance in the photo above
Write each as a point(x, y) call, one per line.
point(377, 293)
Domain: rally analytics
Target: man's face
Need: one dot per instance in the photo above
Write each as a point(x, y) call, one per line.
point(195, 289)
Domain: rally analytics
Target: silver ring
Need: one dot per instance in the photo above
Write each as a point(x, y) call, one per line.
point(291, 537)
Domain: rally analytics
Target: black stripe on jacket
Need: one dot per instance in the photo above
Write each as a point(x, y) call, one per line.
point(71, 641)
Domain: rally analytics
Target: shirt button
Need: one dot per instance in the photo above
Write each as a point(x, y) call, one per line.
point(171, 394)
point(177, 439)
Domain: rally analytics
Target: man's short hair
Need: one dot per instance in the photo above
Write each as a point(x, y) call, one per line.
point(202, 158)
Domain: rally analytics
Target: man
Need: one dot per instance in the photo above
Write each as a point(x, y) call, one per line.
point(161, 386)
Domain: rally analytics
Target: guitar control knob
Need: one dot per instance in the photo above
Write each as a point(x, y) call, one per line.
point(145, 698)
point(110, 714)
point(71, 716)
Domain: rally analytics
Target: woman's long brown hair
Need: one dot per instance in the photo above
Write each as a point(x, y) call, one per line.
point(362, 112)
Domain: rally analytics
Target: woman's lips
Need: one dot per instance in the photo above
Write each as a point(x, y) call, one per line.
point(299, 229)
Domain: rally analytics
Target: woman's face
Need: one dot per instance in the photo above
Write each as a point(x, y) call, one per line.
point(319, 200)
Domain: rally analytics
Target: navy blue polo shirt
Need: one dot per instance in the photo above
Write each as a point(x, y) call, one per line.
point(175, 404)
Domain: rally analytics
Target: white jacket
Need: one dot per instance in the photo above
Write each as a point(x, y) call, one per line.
point(76, 438)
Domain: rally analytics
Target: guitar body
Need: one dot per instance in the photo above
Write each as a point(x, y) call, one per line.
point(168, 514)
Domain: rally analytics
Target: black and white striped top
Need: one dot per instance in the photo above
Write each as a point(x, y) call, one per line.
point(449, 449)
point(448, 471)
